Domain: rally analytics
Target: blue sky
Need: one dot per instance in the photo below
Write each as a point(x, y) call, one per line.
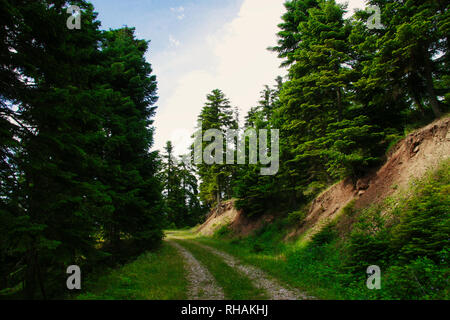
point(156, 19)
point(200, 45)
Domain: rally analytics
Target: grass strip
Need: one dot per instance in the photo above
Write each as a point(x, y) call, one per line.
point(235, 285)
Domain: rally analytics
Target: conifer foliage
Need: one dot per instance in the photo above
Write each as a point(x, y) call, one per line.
point(350, 92)
point(76, 115)
point(79, 184)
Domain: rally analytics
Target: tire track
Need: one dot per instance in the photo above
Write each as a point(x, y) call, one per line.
point(260, 279)
point(202, 285)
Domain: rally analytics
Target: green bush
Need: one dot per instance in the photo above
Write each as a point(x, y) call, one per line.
point(296, 217)
point(223, 232)
point(424, 226)
point(414, 252)
point(349, 209)
point(422, 278)
point(324, 236)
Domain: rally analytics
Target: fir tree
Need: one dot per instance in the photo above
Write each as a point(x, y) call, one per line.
point(130, 167)
point(215, 179)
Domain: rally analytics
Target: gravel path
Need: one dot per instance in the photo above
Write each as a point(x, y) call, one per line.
point(260, 279)
point(202, 285)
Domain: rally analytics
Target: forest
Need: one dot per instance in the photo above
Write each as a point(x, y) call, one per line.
point(81, 183)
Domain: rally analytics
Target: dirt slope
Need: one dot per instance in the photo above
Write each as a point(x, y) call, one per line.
point(227, 214)
point(410, 159)
point(222, 215)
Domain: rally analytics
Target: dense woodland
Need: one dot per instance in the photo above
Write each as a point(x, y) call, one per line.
point(79, 184)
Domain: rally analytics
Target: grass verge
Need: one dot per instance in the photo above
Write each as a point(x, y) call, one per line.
point(407, 237)
point(155, 275)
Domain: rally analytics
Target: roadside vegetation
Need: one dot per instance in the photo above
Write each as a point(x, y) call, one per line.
point(81, 183)
point(406, 237)
point(157, 275)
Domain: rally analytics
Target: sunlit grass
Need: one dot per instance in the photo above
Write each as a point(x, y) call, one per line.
point(156, 275)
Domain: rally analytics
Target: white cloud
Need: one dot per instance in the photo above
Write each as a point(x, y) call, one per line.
point(174, 42)
point(233, 58)
point(179, 11)
point(352, 5)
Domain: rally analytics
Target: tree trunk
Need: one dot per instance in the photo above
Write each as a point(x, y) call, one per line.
point(339, 102)
point(40, 279)
point(30, 275)
point(218, 190)
point(430, 88)
point(417, 102)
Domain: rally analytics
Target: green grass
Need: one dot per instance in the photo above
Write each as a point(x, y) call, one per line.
point(274, 263)
point(158, 275)
point(407, 237)
point(411, 250)
point(235, 285)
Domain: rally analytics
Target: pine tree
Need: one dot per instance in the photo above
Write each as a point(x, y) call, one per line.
point(75, 138)
point(256, 193)
point(182, 203)
point(194, 211)
point(11, 89)
point(404, 56)
point(59, 195)
point(130, 168)
point(326, 133)
point(215, 179)
point(289, 37)
point(175, 202)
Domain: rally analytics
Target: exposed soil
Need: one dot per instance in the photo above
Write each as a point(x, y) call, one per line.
point(202, 285)
point(244, 226)
point(227, 215)
point(410, 159)
point(220, 216)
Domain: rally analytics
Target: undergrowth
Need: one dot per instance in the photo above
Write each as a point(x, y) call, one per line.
point(410, 244)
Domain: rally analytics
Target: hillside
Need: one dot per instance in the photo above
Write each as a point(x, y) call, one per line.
point(413, 156)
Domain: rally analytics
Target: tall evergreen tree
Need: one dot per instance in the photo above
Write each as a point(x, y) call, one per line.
point(256, 193)
point(408, 57)
point(289, 37)
point(60, 196)
point(182, 203)
point(130, 167)
point(325, 131)
point(215, 179)
point(75, 138)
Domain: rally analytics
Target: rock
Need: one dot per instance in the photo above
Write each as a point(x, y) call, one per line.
point(361, 193)
point(362, 184)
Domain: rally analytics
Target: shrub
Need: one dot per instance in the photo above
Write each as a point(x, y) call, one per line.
point(422, 278)
point(325, 236)
point(223, 232)
point(349, 209)
point(296, 217)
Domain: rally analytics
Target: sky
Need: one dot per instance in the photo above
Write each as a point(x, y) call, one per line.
point(200, 45)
